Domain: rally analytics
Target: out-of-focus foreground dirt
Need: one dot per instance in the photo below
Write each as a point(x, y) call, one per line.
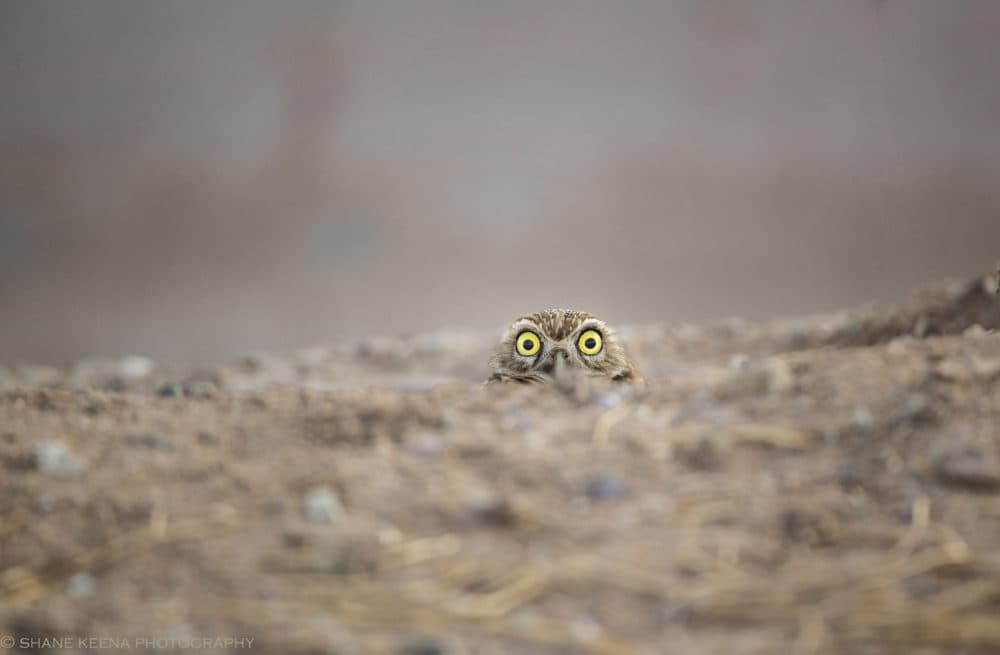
point(822, 485)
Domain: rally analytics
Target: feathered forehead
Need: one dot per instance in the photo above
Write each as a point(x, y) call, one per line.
point(558, 324)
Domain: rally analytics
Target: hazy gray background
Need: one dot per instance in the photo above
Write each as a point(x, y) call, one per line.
point(193, 179)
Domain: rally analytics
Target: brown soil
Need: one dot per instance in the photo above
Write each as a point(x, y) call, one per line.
point(821, 485)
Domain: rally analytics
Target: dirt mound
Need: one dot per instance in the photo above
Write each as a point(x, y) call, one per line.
point(943, 310)
point(764, 493)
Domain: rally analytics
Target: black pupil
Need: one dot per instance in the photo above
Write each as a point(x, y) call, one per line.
point(528, 344)
point(591, 342)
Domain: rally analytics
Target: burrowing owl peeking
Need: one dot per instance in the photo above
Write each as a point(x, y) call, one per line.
point(539, 347)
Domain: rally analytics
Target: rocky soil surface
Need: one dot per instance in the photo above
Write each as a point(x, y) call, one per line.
point(828, 484)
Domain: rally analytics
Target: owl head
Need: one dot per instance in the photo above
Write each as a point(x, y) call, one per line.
point(539, 347)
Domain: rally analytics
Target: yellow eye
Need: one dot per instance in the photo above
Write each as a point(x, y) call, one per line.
point(528, 344)
point(590, 342)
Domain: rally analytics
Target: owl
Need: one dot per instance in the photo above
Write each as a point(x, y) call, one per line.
point(541, 347)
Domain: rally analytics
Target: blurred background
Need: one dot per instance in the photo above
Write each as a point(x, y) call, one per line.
point(195, 179)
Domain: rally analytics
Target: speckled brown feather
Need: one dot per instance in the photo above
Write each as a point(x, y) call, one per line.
point(557, 323)
point(558, 330)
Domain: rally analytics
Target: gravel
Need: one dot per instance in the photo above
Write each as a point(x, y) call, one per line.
point(81, 585)
point(134, 367)
point(606, 487)
point(322, 505)
point(170, 390)
point(967, 465)
point(54, 458)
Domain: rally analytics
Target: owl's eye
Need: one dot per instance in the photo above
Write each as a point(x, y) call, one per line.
point(590, 342)
point(528, 344)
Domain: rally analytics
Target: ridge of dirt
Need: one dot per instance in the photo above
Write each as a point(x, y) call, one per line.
point(823, 485)
point(942, 310)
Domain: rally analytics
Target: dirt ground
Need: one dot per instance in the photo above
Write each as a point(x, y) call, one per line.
point(828, 484)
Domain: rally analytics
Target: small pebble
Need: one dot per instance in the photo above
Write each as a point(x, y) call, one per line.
point(449, 420)
point(688, 331)
point(201, 389)
point(901, 344)
point(606, 487)
point(739, 361)
point(702, 455)
point(799, 525)
point(253, 363)
point(423, 646)
point(609, 399)
point(150, 440)
point(968, 465)
point(771, 376)
point(322, 505)
point(134, 367)
point(423, 444)
point(207, 438)
point(389, 536)
point(975, 330)
point(433, 343)
point(491, 508)
point(991, 283)
point(916, 410)
point(170, 389)
point(53, 457)
point(375, 346)
point(986, 368)
point(81, 585)
point(863, 418)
